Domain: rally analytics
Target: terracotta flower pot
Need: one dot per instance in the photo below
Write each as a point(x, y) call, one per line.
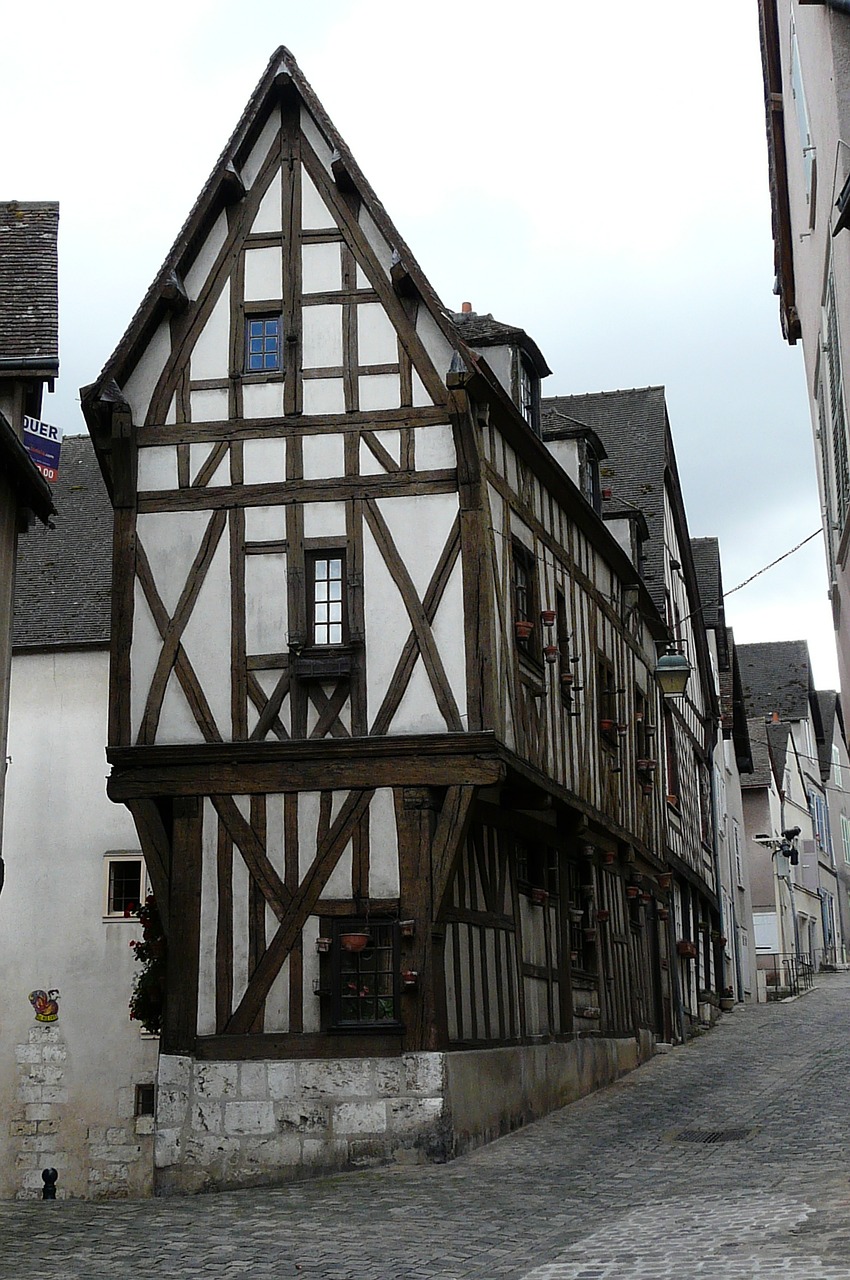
point(603, 916)
point(606, 726)
point(663, 913)
point(523, 628)
point(547, 617)
point(686, 949)
point(551, 652)
point(539, 897)
point(357, 940)
point(632, 891)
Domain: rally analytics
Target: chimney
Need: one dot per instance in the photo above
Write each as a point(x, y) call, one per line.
point(466, 308)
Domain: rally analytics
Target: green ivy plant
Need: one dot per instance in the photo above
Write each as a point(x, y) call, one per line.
point(148, 998)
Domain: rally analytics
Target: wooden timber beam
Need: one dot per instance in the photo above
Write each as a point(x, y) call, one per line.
point(156, 848)
point(247, 768)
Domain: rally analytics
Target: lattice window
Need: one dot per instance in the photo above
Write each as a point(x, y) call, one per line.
point(262, 344)
point(365, 989)
point(326, 585)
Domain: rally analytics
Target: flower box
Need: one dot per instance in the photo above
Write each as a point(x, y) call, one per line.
point(686, 949)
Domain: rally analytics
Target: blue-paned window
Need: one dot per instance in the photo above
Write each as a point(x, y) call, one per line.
point(262, 344)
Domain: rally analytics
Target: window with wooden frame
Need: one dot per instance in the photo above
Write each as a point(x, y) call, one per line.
point(366, 983)
point(671, 758)
point(606, 700)
point(567, 672)
point(327, 621)
point(263, 351)
point(125, 885)
point(529, 395)
point(526, 615)
point(536, 867)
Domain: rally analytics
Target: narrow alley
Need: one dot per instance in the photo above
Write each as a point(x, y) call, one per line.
point(609, 1187)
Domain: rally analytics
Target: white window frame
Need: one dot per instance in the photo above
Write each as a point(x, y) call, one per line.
point(807, 142)
point(736, 845)
point(110, 858)
point(845, 837)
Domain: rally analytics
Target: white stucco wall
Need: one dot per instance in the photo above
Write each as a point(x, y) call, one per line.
point(66, 1090)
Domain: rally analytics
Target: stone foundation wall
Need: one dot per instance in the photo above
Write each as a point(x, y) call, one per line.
point(223, 1124)
point(228, 1124)
point(49, 1127)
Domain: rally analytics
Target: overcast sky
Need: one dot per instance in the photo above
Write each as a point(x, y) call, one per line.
point(595, 173)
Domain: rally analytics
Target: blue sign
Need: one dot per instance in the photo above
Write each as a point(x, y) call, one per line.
point(43, 444)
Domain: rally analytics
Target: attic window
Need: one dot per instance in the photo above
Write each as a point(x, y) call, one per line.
point(262, 344)
point(529, 395)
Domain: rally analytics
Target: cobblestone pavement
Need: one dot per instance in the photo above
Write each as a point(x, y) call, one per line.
point(600, 1190)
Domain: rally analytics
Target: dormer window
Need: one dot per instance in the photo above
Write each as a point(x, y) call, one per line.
point(529, 395)
point(590, 478)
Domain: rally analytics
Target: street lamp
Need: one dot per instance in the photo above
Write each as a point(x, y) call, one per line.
point(673, 671)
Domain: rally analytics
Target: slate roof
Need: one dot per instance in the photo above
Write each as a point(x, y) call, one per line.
point(827, 700)
point(483, 331)
point(64, 575)
point(762, 770)
point(634, 430)
point(29, 285)
point(706, 553)
point(777, 677)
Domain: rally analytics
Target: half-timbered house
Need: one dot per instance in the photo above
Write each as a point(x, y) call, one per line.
point(383, 700)
point(639, 478)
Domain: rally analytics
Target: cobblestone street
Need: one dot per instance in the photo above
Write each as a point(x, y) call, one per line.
point(601, 1189)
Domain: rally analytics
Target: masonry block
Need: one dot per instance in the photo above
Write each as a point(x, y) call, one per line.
point(39, 1111)
point(144, 1125)
point(166, 1150)
point(410, 1115)
point(206, 1116)
point(282, 1080)
point(424, 1073)
point(324, 1153)
point(30, 1092)
point(171, 1105)
point(174, 1071)
point(311, 1117)
point(389, 1077)
point(217, 1079)
point(54, 1053)
point(253, 1082)
point(338, 1077)
point(52, 1093)
point(248, 1117)
point(28, 1053)
point(359, 1117)
point(22, 1128)
point(47, 1126)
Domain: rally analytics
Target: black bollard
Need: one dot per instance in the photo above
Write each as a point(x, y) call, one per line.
point(48, 1177)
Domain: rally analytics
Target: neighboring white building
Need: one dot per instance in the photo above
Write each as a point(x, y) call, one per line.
point(806, 65)
point(794, 902)
point(70, 1088)
point(29, 360)
point(732, 759)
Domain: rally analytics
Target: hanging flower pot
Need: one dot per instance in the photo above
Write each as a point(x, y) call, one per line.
point(665, 880)
point(587, 850)
point(606, 725)
point(355, 940)
point(323, 944)
point(702, 925)
point(632, 891)
point(646, 898)
point(622, 729)
point(567, 679)
point(539, 897)
point(573, 957)
point(589, 935)
point(547, 617)
point(407, 928)
point(576, 914)
point(603, 916)
point(551, 652)
point(646, 788)
point(686, 949)
point(645, 765)
point(609, 858)
point(663, 913)
point(523, 628)
point(409, 979)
